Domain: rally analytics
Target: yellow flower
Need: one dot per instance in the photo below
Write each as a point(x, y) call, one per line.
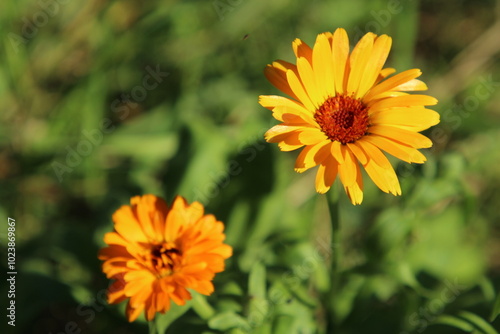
point(156, 253)
point(344, 109)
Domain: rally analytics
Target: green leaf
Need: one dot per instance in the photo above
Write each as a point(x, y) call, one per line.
point(479, 322)
point(227, 320)
point(344, 302)
point(455, 322)
point(259, 306)
point(496, 309)
point(257, 281)
point(201, 306)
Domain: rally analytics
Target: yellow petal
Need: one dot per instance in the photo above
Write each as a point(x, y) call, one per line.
point(327, 172)
point(384, 95)
point(347, 169)
point(412, 85)
point(273, 134)
point(337, 151)
point(323, 67)
point(374, 153)
point(293, 118)
point(340, 53)
point(358, 152)
point(403, 101)
point(409, 138)
point(355, 191)
point(272, 101)
point(290, 141)
point(286, 147)
point(299, 91)
point(384, 73)
point(391, 82)
point(280, 105)
point(381, 48)
point(311, 136)
point(398, 150)
point(385, 179)
point(309, 81)
point(312, 155)
point(357, 62)
point(412, 117)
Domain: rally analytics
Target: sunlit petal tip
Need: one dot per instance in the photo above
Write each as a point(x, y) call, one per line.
point(300, 169)
point(301, 49)
point(355, 195)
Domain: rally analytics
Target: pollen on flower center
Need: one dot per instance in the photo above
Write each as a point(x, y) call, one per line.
point(343, 118)
point(164, 258)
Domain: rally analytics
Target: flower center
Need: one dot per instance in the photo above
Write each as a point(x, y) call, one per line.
point(164, 258)
point(343, 118)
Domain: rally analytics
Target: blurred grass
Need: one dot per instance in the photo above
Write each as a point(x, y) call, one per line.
point(199, 133)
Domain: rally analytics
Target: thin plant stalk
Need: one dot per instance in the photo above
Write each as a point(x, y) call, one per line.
point(334, 208)
point(153, 326)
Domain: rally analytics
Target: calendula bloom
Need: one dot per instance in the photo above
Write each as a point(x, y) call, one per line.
point(157, 252)
point(345, 109)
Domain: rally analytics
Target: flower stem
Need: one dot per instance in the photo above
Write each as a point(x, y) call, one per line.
point(334, 208)
point(153, 328)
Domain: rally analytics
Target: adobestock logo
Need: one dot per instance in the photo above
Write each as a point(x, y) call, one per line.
point(48, 9)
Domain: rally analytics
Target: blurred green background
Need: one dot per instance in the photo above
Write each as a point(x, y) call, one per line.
point(104, 100)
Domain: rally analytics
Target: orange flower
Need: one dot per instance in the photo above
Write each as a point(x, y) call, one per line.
point(156, 253)
point(344, 110)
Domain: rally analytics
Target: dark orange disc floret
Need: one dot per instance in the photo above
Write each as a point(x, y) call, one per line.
point(163, 259)
point(343, 118)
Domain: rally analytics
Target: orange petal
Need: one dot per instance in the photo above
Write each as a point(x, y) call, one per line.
point(127, 225)
point(327, 172)
point(133, 313)
point(312, 155)
point(301, 49)
point(205, 287)
point(276, 74)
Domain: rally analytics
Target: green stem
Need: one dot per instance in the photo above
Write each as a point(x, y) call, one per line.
point(334, 208)
point(153, 327)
